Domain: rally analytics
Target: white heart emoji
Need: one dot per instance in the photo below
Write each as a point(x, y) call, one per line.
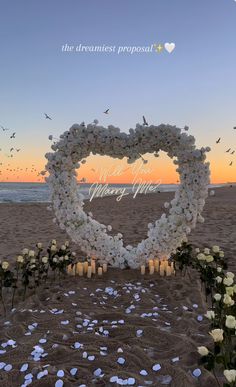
point(169, 47)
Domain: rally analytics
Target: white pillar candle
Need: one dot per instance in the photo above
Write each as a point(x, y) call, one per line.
point(151, 269)
point(150, 263)
point(89, 272)
point(85, 265)
point(143, 269)
point(172, 267)
point(168, 271)
point(100, 271)
point(156, 264)
point(79, 269)
point(93, 265)
point(162, 271)
point(104, 267)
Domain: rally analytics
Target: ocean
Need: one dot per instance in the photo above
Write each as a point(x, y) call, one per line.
point(39, 192)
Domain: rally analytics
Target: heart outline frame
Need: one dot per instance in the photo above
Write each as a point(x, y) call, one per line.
point(165, 234)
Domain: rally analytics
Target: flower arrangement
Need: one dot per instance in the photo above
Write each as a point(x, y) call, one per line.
point(219, 285)
point(166, 234)
point(32, 268)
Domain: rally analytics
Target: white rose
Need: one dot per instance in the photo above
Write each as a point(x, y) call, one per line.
point(197, 250)
point(210, 314)
point(228, 300)
point(215, 249)
point(54, 242)
point(25, 251)
point(229, 290)
point(209, 258)
point(67, 243)
point(230, 375)
point(33, 260)
point(5, 265)
point(219, 279)
point(201, 257)
point(203, 351)
point(230, 322)
point(66, 257)
point(61, 259)
point(217, 335)
point(53, 248)
point(228, 281)
point(219, 269)
point(221, 254)
point(63, 247)
point(20, 259)
point(39, 245)
point(31, 253)
point(217, 297)
point(55, 259)
point(206, 251)
point(45, 259)
point(230, 274)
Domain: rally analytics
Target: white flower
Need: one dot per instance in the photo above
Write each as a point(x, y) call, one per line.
point(20, 259)
point(63, 247)
point(206, 251)
point(39, 245)
point(66, 257)
point(25, 251)
point(203, 351)
point(219, 279)
point(228, 300)
point(230, 322)
point(215, 249)
point(5, 265)
point(230, 375)
point(166, 205)
point(201, 257)
point(229, 290)
point(197, 250)
point(209, 258)
point(228, 281)
point(210, 314)
point(55, 259)
point(53, 248)
point(217, 297)
point(61, 259)
point(217, 335)
point(230, 274)
point(33, 260)
point(54, 242)
point(67, 243)
point(221, 254)
point(45, 260)
point(219, 269)
point(31, 253)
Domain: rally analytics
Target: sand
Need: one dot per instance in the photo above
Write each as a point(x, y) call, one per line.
point(165, 310)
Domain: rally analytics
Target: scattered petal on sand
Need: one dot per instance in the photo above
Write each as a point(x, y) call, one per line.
point(197, 372)
point(143, 373)
point(60, 373)
point(121, 360)
point(156, 367)
point(73, 371)
point(97, 372)
point(8, 367)
point(24, 367)
point(59, 383)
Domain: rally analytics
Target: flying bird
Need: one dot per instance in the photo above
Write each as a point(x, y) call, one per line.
point(13, 135)
point(144, 121)
point(218, 141)
point(106, 111)
point(231, 164)
point(234, 127)
point(4, 129)
point(47, 117)
point(232, 152)
point(228, 150)
point(11, 149)
point(18, 150)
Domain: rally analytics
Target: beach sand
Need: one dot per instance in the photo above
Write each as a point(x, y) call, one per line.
point(166, 310)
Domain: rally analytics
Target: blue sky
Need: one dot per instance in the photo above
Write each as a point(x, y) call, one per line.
point(194, 85)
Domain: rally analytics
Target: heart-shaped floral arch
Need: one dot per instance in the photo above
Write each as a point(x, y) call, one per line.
point(166, 233)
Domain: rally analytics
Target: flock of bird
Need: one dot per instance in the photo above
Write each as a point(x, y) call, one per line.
point(32, 168)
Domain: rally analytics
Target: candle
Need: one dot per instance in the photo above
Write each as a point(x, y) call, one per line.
point(100, 271)
point(156, 264)
point(85, 265)
point(172, 267)
point(93, 265)
point(151, 269)
point(79, 269)
point(162, 270)
point(142, 269)
point(168, 271)
point(104, 267)
point(150, 263)
point(69, 269)
point(89, 272)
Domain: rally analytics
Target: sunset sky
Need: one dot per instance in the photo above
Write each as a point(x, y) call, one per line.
point(195, 85)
